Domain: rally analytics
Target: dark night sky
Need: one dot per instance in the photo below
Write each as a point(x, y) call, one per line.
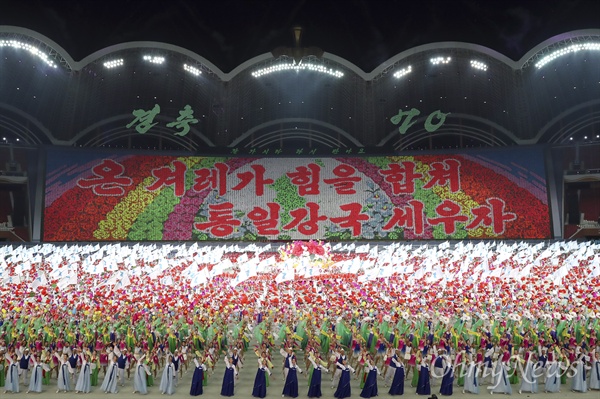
point(366, 32)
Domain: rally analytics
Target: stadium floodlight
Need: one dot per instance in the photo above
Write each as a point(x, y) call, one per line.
point(113, 63)
point(402, 72)
point(440, 60)
point(193, 70)
point(32, 49)
point(297, 67)
point(154, 59)
point(573, 48)
point(479, 65)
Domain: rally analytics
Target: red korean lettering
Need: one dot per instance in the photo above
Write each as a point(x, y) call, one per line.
point(491, 215)
point(214, 178)
point(449, 214)
point(401, 177)
point(410, 217)
point(258, 175)
point(220, 220)
point(108, 181)
point(266, 220)
point(353, 220)
point(444, 173)
point(310, 226)
point(307, 179)
point(344, 183)
point(165, 176)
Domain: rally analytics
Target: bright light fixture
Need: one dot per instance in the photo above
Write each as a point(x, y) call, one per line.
point(297, 67)
point(440, 60)
point(479, 65)
point(573, 48)
point(33, 50)
point(402, 72)
point(113, 63)
point(192, 70)
point(154, 59)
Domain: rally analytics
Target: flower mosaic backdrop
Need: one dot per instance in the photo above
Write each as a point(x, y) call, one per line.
point(487, 194)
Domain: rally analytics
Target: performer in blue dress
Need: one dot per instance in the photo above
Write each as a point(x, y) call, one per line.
point(228, 378)
point(423, 385)
point(260, 381)
point(397, 387)
point(343, 389)
point(197, 378)
point(448, 376)
point(314, 388)
point(370, 387)
point(290, 387)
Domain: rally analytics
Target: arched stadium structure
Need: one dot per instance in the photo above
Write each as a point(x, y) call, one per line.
point(449, 197)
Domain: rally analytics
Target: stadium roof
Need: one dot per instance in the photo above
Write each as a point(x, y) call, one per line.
point(252, 85)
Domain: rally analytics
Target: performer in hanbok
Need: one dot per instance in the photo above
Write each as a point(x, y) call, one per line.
point(35, 381)
point(397, 386)
point(140, 378)
point(579, 382)
point(555, 367)
point(290, 387)
point(288, 356)
point(595, 373)
point(314, 384)
point(167, 381)
point(448, 376)
point(11, 383)
point(370, 385)
point(423, 384)
point(198, 378)
point(84, 381)
point(500, 381)
point(227, 388)
point(24, 362)
point(64, 373)
point(529, 380)
point(343, 389)
point(111, 377)
point(259, 389)
point(340, 356)
point(471, 379)
point(390, 368)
